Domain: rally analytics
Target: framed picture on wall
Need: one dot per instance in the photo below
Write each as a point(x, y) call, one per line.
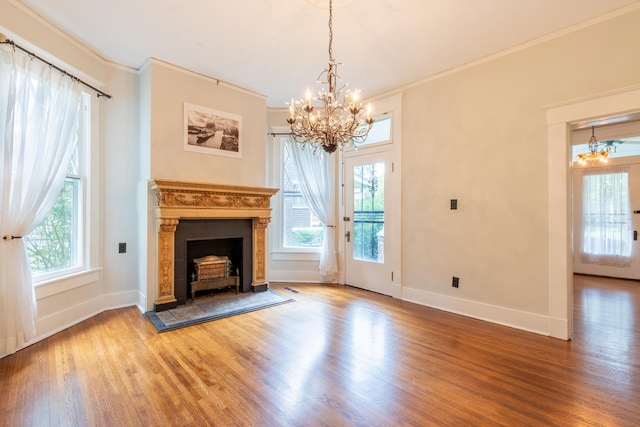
point(211, 131)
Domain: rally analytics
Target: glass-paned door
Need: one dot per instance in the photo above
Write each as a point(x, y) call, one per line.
point(367, 180)
point(605, 202)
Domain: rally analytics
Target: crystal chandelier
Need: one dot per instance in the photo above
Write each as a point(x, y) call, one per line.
point(593, 155)
point(335, 120)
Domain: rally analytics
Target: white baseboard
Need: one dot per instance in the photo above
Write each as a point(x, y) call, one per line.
point(543, 325)
point(53, 323)
point(142, 301)
point(63, 319)
point(396, 290)
point(290, 276)
point(121, 299)
point(558, 328)
point(523, 320)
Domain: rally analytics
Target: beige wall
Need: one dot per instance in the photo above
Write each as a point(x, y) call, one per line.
point(22, 26)
point(164, 90)
point(480, 136)
point(170, 88)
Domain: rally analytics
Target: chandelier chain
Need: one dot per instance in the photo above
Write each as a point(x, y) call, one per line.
point(331, 31)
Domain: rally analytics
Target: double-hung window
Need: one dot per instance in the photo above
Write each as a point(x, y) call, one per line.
point(300, 228)
point(57, 245)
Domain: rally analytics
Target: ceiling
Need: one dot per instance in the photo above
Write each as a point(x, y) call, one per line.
point(278, 48)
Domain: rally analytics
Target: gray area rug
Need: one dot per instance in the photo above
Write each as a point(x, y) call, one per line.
point(216, 307)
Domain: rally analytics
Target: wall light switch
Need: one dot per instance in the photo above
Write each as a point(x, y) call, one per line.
point(122, 248)
point(454, 204)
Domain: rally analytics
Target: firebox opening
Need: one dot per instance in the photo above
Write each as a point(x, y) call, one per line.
point(196, 238)
point(199, 248)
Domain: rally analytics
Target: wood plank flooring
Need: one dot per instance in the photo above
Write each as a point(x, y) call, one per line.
point(337, 356)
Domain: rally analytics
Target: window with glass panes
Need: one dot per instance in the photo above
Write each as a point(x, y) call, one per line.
point(301, 229)
point(56, 246)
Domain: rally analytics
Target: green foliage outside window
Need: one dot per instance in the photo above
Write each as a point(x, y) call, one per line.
point(307, 236)
point(52, 245)
point(368, 203)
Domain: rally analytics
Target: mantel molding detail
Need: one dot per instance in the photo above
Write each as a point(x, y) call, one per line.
point(176, 200)
point(199, 199)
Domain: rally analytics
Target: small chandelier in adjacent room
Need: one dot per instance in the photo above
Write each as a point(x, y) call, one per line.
point(338, 120)
point(593, 155)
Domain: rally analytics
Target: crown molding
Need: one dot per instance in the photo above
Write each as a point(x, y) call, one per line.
point(204, 77)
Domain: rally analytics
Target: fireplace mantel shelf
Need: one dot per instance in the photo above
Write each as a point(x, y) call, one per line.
point(176, 200)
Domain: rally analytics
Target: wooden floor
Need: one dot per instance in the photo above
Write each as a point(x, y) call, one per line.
point(337, 356)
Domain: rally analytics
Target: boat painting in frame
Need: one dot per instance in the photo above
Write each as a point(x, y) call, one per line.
point(211, 131)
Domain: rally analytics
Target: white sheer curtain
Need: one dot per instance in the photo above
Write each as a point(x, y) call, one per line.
point(39, 110)
point(606, 217)
point(316, 179)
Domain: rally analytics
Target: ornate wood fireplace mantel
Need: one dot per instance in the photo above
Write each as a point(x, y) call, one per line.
point(176, 200)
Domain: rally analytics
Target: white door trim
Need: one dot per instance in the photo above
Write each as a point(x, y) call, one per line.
point(393, 105)
point(559, 118)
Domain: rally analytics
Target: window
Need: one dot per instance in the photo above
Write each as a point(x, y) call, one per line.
point(368, 212)
point(380, 131)
point(300, 229)
point(56, 246)
point(606, 219)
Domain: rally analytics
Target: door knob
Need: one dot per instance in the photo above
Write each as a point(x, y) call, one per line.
point(348, 236)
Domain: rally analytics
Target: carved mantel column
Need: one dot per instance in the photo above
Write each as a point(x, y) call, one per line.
point(259, 253)
point(166, 241)
point(176, 200)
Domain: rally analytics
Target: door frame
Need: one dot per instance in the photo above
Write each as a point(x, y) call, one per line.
point(559, 177)
point(391, 105)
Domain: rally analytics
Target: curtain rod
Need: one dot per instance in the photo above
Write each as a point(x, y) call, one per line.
point(5, 40)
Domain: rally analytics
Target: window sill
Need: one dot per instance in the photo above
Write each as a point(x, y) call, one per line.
point(61, 284)
point(298, 255)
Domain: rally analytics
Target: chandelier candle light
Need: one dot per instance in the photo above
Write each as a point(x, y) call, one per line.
point(337, 121)
point(593, 153)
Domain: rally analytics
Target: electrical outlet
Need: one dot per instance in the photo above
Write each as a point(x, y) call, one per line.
point(455, 282)
point(122, 248)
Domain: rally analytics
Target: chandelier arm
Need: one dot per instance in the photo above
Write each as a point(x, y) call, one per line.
point(339, 120)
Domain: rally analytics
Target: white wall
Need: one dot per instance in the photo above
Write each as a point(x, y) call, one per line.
point(120, 163)
point(146, 227)
point(111, 280)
